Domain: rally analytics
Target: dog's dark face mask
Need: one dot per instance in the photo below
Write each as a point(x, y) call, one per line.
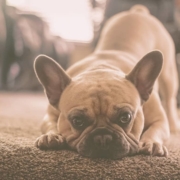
point(103, 142)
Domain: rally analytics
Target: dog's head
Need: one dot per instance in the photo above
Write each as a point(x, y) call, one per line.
point(101, 111)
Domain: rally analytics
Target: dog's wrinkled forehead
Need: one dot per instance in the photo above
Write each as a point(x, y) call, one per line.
point(99, 94)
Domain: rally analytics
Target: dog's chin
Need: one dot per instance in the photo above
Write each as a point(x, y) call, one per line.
point(117, 150)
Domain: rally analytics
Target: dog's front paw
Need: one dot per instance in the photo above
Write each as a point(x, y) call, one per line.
point(50, 141)
point(153, 148)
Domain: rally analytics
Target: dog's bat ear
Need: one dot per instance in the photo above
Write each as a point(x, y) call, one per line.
point(53, 78)
point(146, 72)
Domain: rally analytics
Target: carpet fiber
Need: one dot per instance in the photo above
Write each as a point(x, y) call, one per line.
point(20, 118)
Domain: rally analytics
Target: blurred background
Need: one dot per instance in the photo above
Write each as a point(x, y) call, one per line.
point(66, 30)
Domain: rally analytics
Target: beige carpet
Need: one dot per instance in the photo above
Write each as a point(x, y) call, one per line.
point(20, 118)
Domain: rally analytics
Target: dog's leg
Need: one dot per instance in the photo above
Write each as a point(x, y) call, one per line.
point(168, 86)
point(50, 139)
point(156, 130)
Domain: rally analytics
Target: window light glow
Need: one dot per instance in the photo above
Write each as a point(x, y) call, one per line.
point(69, 19)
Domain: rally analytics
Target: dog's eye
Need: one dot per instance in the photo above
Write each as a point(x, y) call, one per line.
point(78, 122)
point(125, 117)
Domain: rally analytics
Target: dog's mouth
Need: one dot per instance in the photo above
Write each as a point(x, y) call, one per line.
point(113, 146)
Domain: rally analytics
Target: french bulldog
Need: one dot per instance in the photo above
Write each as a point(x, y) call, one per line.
point(120, 100)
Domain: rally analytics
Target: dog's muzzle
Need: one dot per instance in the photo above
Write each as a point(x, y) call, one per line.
point(102, 142)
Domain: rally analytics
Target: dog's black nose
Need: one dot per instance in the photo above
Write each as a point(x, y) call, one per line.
point(103, 141)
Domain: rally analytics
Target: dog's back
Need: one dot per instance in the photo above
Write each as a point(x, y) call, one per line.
point(135, 31)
